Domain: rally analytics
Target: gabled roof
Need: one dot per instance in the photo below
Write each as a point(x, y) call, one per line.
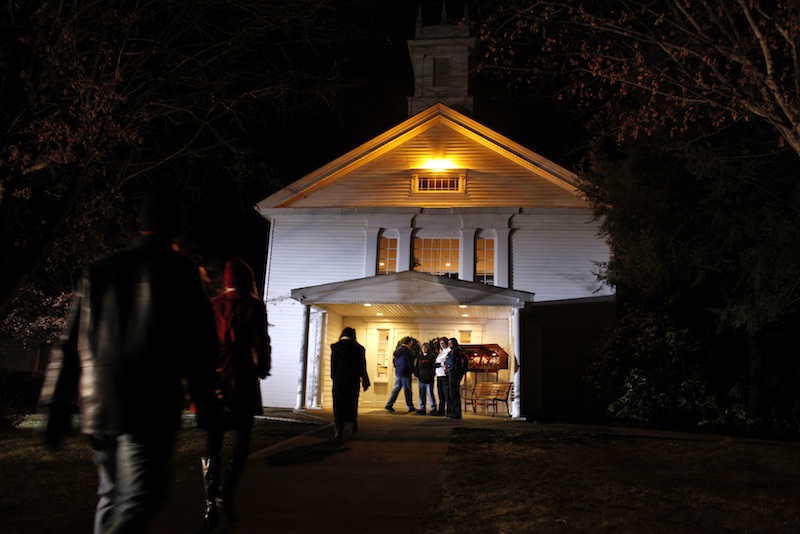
point(411, 288)
point(471, 132)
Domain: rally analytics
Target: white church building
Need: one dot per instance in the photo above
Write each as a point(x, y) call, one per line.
point(437, 227)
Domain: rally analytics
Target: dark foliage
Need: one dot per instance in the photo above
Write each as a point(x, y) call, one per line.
point(704, 257)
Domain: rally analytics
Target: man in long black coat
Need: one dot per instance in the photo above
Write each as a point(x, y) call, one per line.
point(349, 373)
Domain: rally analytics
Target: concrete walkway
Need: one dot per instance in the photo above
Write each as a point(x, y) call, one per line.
point(383, 480)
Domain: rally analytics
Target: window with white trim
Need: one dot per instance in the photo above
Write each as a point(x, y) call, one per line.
point(484, 260)
point(438, 256)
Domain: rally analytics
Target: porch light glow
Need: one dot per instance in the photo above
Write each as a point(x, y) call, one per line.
point(379, 314)
point(438, 164)
point(464, 315)
point(462, 306)
point(367, 304)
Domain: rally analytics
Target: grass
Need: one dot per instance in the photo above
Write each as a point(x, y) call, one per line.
point(505, 477)
point(55, 491)
point(525, 478)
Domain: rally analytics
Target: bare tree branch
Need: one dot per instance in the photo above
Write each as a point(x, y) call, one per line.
point(685, 60)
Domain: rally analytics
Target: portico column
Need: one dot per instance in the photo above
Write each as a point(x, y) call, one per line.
point(301, 382)
point(516, 407)
point(321, 323)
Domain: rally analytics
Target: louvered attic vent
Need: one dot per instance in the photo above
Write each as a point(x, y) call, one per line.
point(439, 181)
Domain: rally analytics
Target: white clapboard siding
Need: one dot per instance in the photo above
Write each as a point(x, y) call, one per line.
point(308, 251)
point(554, 254)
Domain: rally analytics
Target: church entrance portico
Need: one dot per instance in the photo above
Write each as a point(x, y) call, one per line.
point(384, 309)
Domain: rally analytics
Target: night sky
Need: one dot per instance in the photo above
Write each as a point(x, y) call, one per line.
point(231, 229)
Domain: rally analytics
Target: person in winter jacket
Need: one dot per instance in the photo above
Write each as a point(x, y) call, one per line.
point(140, 325)
point(423, 370)
point(456, 368)
point(244, 358)
point(403, 368)
point(349, 374)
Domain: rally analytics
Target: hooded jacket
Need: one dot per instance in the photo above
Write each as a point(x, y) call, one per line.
point(403, 361)
point(423, 368)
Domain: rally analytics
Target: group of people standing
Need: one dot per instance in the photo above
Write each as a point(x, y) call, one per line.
point(448, 367)
point(445, 367)
point(141, 326)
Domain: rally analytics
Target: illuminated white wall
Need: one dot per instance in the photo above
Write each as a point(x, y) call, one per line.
point(550, 252)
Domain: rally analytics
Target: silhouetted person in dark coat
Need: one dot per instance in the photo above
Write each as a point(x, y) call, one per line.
point(349, 374)
point(140, 325)
point(244, 358)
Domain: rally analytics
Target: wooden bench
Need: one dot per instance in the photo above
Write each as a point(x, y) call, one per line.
point(488, 394)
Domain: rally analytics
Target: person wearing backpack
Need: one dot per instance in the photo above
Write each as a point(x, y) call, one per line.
point(455, 366)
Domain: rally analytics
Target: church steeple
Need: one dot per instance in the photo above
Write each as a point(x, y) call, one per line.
point(440, 58)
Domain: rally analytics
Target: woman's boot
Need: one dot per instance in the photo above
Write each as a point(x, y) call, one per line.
point(211, 479)
point(232, 476)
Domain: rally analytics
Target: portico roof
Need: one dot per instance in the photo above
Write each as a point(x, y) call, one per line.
point(397, 293)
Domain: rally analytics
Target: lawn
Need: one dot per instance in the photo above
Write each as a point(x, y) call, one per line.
point(54, 491)
point(529, 478)
point(508, 477)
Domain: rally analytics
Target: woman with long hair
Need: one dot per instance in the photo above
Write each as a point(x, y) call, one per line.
point(244, 358)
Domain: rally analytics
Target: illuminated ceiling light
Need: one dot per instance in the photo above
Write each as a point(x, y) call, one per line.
point(447, 265)
point(464, 315)
point(381, 264)
point(462, 306)
point(379, 314)
point(367, 304)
